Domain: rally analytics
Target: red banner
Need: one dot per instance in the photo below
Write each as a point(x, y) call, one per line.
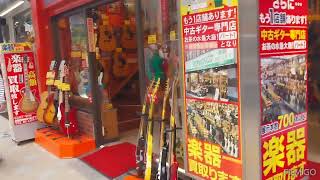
point(23, 87)
point(283, 63)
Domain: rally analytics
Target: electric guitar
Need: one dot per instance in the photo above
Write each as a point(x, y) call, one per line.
point(162, 166)
point(107, 40)
point(148, 171)
point(173, 156)
point(140, 150)
point(28, 103)
point(68, 123)
point(44, 97)
point(58, 83)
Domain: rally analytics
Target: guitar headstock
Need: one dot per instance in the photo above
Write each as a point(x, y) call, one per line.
point(62, 68)
point(53, 65)
point(167, 89)
point(151, 84)
point(155, 90)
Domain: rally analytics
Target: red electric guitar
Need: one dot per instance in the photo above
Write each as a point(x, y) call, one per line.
point(68, 123)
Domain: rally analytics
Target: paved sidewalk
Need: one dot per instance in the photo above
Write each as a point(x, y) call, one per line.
point(31, 162)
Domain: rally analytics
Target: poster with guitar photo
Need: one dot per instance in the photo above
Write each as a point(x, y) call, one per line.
point(22, 86)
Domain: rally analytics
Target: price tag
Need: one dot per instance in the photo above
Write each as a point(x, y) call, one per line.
point(50, 75)
point(65, 87)
point(105, 22)
point(152, 39)
point(172, 35)
point(49, 82)
point(126, 22)
point(76, 54)
point(18, 48)
point(119, 50)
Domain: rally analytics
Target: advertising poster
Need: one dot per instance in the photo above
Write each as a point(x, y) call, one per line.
point(283, 75)
point(210, 41)
point(22, 86)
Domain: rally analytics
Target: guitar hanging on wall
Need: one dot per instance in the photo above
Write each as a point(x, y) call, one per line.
point(107, 40)
point(120, 68)
point(28, 103)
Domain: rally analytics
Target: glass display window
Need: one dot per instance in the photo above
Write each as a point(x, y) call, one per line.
point(23, 29)
point(73, 49)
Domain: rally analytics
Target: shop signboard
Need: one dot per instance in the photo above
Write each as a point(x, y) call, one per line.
point(283, 67)
point(210, 60)
point(21, 87)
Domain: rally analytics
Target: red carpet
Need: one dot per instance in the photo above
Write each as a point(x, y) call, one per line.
point(113, 161)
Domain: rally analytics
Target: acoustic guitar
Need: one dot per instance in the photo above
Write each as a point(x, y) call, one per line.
point(51, 110)
point(120, 68)
point(28, 103)
point(68, 124)
point(128, 38)
point(44, 97)
point(107, 40)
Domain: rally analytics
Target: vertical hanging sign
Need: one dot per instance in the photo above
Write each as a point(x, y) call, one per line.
point(211, 84)
point(283, 67)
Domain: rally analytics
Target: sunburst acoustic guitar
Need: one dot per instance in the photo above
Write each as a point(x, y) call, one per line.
point(28, 103)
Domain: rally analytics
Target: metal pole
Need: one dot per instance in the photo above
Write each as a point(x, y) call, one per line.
point(140, 45)
point(250, 89)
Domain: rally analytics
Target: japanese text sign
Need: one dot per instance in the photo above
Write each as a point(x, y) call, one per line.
point(22, 86)
point(283, 67)
point(210, 36)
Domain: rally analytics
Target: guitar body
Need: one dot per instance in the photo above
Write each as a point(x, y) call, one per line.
point(72, 117)
point(50, 111)
point(120, 68)
point(27, 105)
point(42, 106)
point(128, 38)
point(174, 169)
point(107, 41)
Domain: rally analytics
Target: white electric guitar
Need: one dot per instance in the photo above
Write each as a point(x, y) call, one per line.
point(61, 76)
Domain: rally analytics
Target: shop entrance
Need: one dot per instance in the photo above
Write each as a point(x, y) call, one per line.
point(99, 42)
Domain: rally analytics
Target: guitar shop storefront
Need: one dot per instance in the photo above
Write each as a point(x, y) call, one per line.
point(112, 53)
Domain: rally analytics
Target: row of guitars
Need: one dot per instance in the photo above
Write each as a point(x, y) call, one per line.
point(54, 109)
point(144, 149)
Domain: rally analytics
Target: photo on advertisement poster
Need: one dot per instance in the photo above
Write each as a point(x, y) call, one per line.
point(283, 89)
point(212, 75)
point(215, 123)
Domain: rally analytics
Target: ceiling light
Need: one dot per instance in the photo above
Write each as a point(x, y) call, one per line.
point(11, 7)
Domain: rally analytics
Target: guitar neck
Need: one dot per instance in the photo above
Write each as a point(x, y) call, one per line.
point(26, 78)
point(67, 105)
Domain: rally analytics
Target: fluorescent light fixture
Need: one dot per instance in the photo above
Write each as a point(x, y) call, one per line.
point(11, 7)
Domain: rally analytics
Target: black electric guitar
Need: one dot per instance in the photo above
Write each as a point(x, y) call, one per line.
point(164, 145)
point(140, 151)
point(148, 171)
